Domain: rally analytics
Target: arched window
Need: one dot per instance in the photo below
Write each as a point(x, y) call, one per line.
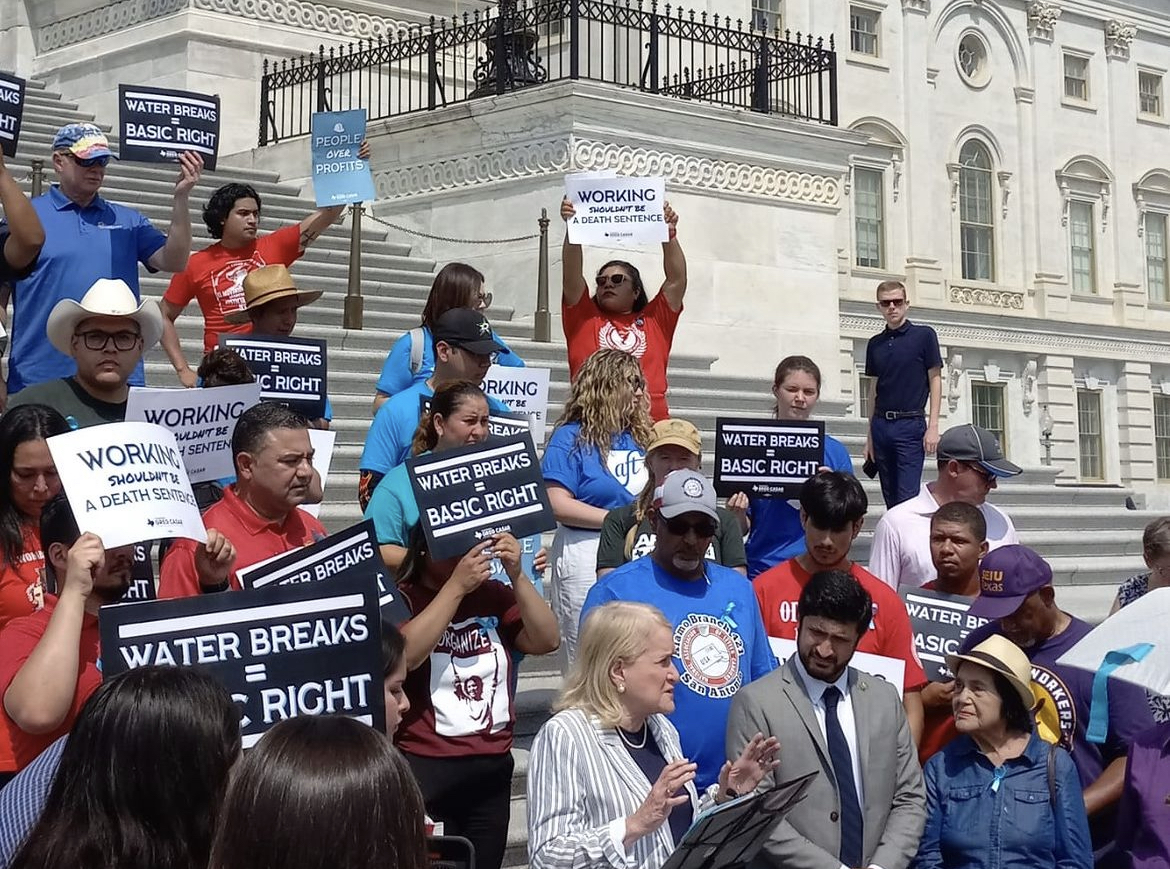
point(976, 213)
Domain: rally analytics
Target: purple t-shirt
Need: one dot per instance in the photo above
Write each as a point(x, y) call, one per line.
point(1143, 818)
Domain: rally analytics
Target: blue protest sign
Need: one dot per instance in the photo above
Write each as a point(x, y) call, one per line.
point(339, 174)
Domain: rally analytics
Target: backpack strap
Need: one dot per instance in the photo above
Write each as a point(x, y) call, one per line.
point(417, 339)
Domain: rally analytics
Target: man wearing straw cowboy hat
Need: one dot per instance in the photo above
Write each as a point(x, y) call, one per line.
point(106, 334)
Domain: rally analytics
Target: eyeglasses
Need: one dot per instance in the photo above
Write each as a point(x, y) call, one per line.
point(679, 527)
point(91, 162)
point(97, 340)
point(891, 303)
point(637, 381)
point(611, 280)
point(987, 476)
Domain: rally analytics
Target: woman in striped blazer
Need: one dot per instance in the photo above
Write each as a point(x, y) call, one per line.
point(607, 782)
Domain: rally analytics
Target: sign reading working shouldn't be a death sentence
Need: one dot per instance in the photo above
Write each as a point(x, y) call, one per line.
point(618, 210)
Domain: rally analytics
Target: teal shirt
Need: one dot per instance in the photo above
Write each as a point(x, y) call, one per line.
point(393, 508)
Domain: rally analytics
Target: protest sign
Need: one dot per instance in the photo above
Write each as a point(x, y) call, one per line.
point(11, 111)
point(471, 493)
point(156, 125)
point(940, 623)
point(202, 421)
point(339, 174)
point(616, 210)
point(352, 552)
point(528, 548)
point(892, 670)
point(322, 441)
point(281, 652)
point(290, 371)
point(525, 390)
point(503, 425)
point(766, 457)
point(141, 574)
point(126, 483)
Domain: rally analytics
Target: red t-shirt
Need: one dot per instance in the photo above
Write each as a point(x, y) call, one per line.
point(17, 642)
point(215, 278)
point(254, 538)
point(938, 725)
point(647, 334)
point(22, 585)
point(778, 590)
point(461, 697)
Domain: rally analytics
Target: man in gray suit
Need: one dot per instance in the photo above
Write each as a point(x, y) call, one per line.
point(868, 805)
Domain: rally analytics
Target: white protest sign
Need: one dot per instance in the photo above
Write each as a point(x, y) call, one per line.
point(202, 421)
point(322, 442)
point(524, 390)
point(893, 670)
point(126, 483)
point(618, 211)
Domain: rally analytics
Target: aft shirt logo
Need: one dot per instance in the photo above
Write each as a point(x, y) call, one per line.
point(1056, 717)
point(710, 654)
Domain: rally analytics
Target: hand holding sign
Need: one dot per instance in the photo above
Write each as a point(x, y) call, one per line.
point(214, 560)
point(938, 695)
point(85, 563)
point(190, 168)
point(473, 569)
point(507, 548)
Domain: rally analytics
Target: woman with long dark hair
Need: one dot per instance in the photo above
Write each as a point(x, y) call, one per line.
point(141, 777)
point(321, 791)
point(412, 357)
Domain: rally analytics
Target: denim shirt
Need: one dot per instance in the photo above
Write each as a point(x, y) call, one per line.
point(973, 822)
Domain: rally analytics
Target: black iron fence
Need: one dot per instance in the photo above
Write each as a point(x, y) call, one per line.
point(637, 44)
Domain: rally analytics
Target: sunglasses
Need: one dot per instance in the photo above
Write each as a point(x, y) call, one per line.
point(679, 527)
point(483, 300)
point(611, 280)
point(100, 340)
point(91, 162)
point(891, 303)
point(637, 381)
point(986, 475)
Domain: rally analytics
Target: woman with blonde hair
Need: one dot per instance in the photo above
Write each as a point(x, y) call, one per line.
point(607, 782)
point(592, 464)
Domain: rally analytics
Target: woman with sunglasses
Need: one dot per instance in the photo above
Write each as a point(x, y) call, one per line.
point(412, 357)
point(594, 462)
point(619, 315)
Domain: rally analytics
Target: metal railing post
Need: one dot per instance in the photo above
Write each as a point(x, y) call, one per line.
point(37, 178)
point(352, 314)
point(542, 322)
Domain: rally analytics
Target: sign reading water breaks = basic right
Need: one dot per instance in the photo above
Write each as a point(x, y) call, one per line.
point(768, 458)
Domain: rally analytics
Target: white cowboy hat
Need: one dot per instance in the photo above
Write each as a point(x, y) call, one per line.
point(106, 298)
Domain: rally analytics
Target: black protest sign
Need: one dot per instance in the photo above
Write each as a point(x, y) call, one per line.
point(352, 552)
point(284, 651)
point(503, 425)
point(940, 623)
point(766, 457)
point(11, 111)
point(156, 125)
point(141, 574)
point(472, 493)
point(290, 371)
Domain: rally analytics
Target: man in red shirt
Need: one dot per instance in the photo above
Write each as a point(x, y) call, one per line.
point(214, 276)
point(49, 661)
point(958, 541)
point(258, 513)
point(832, 510)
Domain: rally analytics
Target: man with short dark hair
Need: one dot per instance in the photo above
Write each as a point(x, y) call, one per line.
point(867, 806)
point(258, 513)
point(832, 510)
point(906, 366)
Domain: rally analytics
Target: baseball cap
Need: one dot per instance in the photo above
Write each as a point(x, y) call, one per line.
point(678, 432)
point(685, 491)
point(971, 443)
point(84, 141)
point(1007, 575)
point(468, 330)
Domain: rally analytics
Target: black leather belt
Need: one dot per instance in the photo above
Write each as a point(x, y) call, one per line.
point(902, 414)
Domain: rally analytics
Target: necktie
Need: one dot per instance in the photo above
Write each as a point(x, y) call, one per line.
point(852, 839)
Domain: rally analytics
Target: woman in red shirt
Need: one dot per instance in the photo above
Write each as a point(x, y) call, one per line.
point(620, 315)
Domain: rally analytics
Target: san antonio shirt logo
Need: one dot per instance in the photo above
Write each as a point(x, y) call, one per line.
point(710, 656)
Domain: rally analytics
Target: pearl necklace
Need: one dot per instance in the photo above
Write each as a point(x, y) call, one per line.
point(645, 734)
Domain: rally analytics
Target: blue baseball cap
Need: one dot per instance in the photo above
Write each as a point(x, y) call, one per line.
point(83, 141)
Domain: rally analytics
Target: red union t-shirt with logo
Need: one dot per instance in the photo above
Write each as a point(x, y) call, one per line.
point(647, 334)
point(215, 278)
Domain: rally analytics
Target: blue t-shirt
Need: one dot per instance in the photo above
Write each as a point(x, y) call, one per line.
point(397, 376)
point(102, 240)
point(901, 360)
point(719, 646)
point(776, 534)
point(389, 438)
point(609, 483)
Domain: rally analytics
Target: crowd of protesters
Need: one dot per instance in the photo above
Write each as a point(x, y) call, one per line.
point(709, 652)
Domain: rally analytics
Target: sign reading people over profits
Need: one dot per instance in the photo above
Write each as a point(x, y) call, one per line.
point(352, 552)
point(472, 493)
point(126, 483)
point(613, 211)
point(156, 125)
point(284, 651)
point(940, 623)
point(339, 174)
point(202, 421)
point(290, 371)
point(766, 457)
point(11, 111)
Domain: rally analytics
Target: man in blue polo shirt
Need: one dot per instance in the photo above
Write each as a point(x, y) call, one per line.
point(906, 367)
point(86, 239)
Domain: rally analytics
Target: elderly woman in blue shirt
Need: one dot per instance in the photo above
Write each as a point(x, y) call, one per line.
point(999, 795)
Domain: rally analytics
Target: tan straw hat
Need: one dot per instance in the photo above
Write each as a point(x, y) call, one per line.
point(1001, 655)
point(267, 284)
point(106, 298)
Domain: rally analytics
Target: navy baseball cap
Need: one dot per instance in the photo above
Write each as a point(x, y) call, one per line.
point(1007, 576)
point(468, 330)
point(974, 444)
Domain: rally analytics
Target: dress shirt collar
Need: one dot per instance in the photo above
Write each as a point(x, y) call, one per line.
point(814, 687)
